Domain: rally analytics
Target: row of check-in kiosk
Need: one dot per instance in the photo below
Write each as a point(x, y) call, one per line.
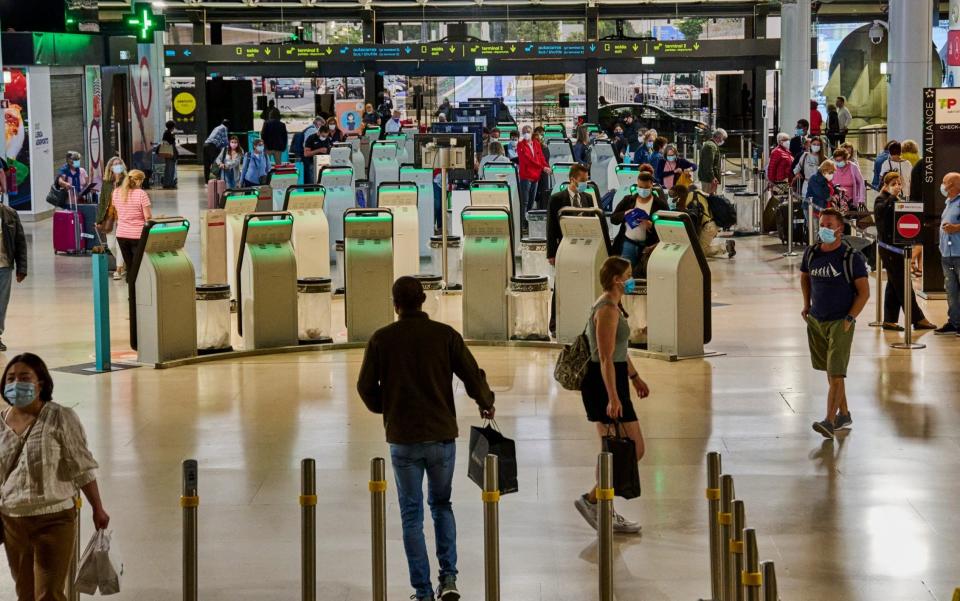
point(262, 255)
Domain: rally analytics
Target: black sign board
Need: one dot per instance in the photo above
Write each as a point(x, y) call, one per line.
point(941, 146)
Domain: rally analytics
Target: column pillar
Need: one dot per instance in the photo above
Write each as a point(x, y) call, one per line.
point(953, 54)
point(794, 63)
point(909, 65)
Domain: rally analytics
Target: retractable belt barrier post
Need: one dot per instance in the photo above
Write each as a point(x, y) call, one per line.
point(735, 545)
point(908, 342)
point(605, 525)
point(878, 280)
point(72, 593)
point(769, 572)
point(308, 529)
point(189, 501)
point(713, 534)
point(725, 518)
point(378, 529)
point(751, 577)
point(811, 230)
point(790, 225)
point(491, 527)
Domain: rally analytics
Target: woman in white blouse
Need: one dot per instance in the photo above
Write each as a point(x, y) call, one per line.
point(44, 461)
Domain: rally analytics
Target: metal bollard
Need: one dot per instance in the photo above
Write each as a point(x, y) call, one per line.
point(491, 527)
point(713, 507)
point(811, 230)
point(908, 342)
point(605, 525)
point(189, 501)
point(751, 578)
point(308, 530)
point(72, 593)
point(378, 526)
point(743, 163)
point(725, 518)
point(790, 225)
point(735, 545)
point(878, 279)
point(769, 589)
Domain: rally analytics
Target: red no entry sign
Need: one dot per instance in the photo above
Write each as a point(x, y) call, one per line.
point(908, 226)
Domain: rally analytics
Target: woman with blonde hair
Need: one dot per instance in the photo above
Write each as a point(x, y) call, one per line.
point(133, 211)
point(114, 173)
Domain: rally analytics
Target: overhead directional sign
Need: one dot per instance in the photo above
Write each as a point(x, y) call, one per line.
point(603, 49)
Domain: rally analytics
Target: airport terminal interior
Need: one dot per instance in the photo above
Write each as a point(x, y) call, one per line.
point(238, 341)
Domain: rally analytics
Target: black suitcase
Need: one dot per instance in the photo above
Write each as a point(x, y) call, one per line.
point(799, 224)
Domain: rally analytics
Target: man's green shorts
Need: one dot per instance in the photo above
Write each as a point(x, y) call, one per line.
point(829, 345)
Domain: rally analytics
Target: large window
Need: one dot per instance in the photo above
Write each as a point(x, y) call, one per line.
point(693, 28)
point(490, 31)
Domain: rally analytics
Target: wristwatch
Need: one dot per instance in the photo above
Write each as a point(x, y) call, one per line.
point(634, 376)
point(850, 318)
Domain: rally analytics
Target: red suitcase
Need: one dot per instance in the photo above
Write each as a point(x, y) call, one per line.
point(215, 190)
point(67, 230)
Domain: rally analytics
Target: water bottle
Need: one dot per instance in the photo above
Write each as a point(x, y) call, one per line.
point(361, 201)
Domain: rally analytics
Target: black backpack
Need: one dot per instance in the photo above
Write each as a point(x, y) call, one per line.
point(849, 253)
point(724, 212)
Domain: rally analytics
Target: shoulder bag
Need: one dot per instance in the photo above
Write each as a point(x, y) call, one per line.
point(13, 465)
point(571, 367)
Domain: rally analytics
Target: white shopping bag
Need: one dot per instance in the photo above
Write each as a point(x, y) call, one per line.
point(99, 569)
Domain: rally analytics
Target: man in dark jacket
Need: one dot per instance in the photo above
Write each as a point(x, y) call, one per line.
point(274, 135)
point(13, 259)
point(407, 376)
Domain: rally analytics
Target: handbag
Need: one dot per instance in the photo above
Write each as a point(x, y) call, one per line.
point(626, 473)
point(165, 150)
point(58, 197)
point(684, 179)
point(13, 465)
point(489, 441)
point(109, 220)
point(571, 367)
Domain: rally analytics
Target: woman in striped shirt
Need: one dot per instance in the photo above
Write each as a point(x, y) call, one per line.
point(133, 211)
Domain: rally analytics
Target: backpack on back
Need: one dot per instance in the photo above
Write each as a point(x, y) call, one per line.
point(724, 212)
point(849, 254)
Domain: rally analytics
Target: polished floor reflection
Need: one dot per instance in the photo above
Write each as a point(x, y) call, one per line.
point(872, 516)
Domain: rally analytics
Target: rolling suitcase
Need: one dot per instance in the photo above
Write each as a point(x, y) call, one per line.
point(88, 225)
point(799, 224)
point(67, 230)
point(215, 191)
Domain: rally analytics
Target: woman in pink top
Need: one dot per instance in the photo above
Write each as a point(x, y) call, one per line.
point(133, 211)
point(849, 178)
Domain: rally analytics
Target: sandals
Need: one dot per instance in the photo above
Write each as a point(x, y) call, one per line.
point(892, 327)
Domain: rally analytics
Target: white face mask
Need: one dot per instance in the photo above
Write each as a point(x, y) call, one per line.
point(785, 144)
point(815, 148)
point(828, 176)
point(527, 136)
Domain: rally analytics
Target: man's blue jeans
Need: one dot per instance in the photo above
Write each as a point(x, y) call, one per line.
point(410, 462)
point(6, 280)
point(951, 283)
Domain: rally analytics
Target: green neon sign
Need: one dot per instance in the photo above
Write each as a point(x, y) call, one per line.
point(144, 22)
point(370, 218)
point(485, 217)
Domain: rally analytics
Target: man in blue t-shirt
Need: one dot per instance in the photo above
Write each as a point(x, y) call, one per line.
point(833, 278)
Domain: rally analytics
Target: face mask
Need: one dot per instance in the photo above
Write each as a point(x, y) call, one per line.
point(76, 164)
point(322, 138)
point(618, 134)
point(827, 235)
point(20, 394)
point(671, 157)
point(785, 143)
point(644, 192)
point(582, 186)
point(258, 149)
point(649, 144)
point(233, 145)
point(828, 177)
point(841, 164)
point(117, 169)
point(527, 136)
point(943, 190)
point(629, 286)
point(799, 132)
point(814, 148)
point(672, 203)
point(332, 126)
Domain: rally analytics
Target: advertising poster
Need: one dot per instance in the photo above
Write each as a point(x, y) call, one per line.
point(348, 115)
point(184, 101)
point(17, 139)
point(941, 146)
point(93, 115)
point(146, 112)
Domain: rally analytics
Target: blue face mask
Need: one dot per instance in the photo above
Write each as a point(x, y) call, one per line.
point(20, 394)
point(644, 192)
point(799, 132)
point(827, 235)
point(76, 164)
point(841, 164)
point(629, 286)
point(649, 144)
point(257, 149)
point(672, 203)
point(583, 187)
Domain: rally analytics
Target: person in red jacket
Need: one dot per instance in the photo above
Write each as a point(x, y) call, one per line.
point(816, 119)
point(532, 164)
point(780, 168)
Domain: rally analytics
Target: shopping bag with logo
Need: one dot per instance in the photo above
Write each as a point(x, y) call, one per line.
point(489, 441)
point(626, 474)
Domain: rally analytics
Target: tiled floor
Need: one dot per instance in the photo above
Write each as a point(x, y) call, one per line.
point(870, 517)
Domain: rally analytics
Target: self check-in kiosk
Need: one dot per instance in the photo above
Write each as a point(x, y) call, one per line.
point(603, 165)
point(357, 157)
point(371, 133)
point(506, 172)
point(401, 199)
point(561, 173)
point(626, 174)
point(488, 265)
point(237, 204)
point(678, 281)
point(423, 180)
point(583, 249)
point(368, 274)
point(311, 232)
point(485, 193)
point(166, 316)
point(282, 178)
point(341, 155)
point(401, 141)
point(267, 282)
point(340, 196)
point(384, 166)
point(560, 151)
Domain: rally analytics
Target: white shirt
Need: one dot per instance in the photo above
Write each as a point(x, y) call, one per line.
point(393, 126)
point(903, 167)
point(639, 234)
point(844, 117)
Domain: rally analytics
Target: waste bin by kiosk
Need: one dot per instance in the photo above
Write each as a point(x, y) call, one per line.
point(282, 177)
point(384, 166)
point(311, 233)
point(423, 180)
point(496, 194)
point(583, 249)
point(603, 164)
point(678, 290)
point(237, 204)
point(338, 183)
point(267, 282)
point(401, 141)
point(488, 265)
point(507, 173)
point(166, 311)
point(401, 199)
point(368, 271)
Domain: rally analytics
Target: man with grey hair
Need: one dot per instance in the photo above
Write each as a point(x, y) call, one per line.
point(710, 168)
point(950, 251)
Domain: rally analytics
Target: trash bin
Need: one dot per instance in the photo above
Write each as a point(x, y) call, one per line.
point(533, 257)
point(433, 288)
point(454, 279)
point(313, 310)
point(537, 224)
point(529, 306)
point(339, 270)
point(635, 304)
point(213, 318)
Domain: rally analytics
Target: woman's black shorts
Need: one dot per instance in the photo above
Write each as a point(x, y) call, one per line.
point(594, 394)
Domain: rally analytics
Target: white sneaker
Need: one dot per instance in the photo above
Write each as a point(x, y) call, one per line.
point(587, 509)
point(117, 275)
point(622, 525)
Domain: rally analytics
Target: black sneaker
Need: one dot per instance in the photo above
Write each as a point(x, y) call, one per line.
point(946, 329)
point(731, 249)
point(843, 422)
point(447, 591)
point(825, 428)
